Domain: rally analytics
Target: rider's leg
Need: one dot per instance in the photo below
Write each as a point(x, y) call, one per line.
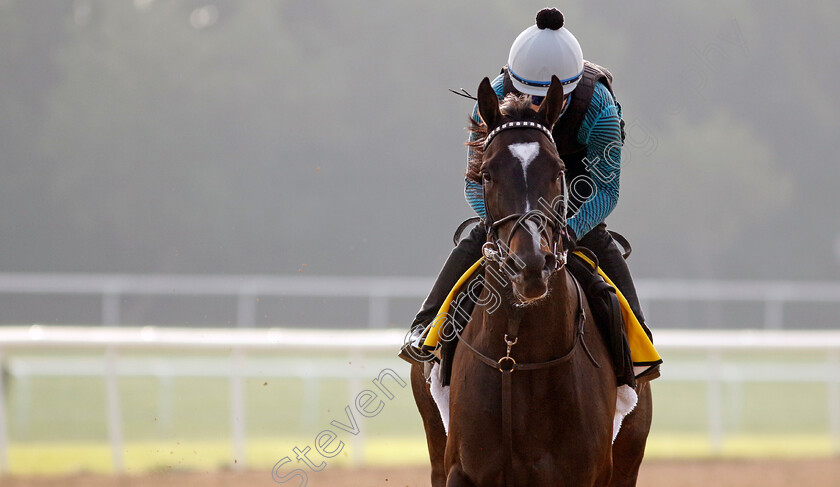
point(612, 262)
point(464, 255)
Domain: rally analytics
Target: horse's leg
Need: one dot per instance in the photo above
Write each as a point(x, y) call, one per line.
point(457, 478)
point(435, 435)
point(629, 446)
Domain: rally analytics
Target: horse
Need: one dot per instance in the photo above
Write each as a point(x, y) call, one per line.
point(550, 422)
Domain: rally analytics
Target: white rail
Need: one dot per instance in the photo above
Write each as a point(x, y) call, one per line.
point(379, 291)
point(239, 342)
point(150, 337)
point(246, 288)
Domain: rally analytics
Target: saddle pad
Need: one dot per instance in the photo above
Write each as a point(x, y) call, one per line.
point(433, 337)
point(642, 351)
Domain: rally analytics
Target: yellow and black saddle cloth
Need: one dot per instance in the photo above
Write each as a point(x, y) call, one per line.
point(628, 341)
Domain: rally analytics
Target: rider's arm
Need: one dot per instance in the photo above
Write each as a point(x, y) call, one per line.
point(601, 132)
point(473, 191)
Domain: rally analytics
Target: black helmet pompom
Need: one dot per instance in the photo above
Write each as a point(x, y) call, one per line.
point(550, 18)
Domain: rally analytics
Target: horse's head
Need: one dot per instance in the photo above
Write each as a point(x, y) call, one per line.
point(524, 187)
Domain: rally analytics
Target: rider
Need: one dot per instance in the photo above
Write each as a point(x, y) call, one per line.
point(589, 136)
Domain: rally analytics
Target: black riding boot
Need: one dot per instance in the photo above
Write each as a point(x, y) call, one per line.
point(612, 262)
point(464, 255)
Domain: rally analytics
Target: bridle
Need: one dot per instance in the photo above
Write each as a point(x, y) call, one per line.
point(559, 234)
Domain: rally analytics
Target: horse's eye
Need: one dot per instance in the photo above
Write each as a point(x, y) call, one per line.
point(486, 177)
point(558, 178)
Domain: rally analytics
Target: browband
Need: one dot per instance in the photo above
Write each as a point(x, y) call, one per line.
point(518, 125)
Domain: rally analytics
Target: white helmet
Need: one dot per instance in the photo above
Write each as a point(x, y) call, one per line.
point(543, 50)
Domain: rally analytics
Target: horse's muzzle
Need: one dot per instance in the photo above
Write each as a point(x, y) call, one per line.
point(530, 281)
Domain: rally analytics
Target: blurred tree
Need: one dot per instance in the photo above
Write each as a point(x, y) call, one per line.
point(703, 188)
point(185, 147)
point(25, 29)
point(157, 130)
point(226, 136)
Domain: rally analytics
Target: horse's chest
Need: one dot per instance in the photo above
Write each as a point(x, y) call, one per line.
point(556, 428)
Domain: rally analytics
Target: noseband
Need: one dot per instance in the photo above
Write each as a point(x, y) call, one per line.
point(557, 224)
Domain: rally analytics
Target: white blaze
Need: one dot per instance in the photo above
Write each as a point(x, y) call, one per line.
point(526, 153)
point(534, 230)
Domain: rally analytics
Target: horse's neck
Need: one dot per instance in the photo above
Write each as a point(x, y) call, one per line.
point(545, 327)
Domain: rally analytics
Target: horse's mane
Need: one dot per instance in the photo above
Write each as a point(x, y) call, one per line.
point(513, 107)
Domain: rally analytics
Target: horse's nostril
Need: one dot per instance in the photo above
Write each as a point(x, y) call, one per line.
point(550, 262)
point(512, 267)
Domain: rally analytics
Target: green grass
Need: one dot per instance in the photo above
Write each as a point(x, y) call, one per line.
point(752, 408)
point(141, 457)
point(59, 424)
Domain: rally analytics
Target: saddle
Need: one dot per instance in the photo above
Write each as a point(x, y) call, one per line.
point(628, 342)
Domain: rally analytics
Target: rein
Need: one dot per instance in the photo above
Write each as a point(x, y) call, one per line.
point(507, 365)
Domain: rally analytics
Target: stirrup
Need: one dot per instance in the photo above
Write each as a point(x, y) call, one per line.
point(648, 374)
point(412, 350)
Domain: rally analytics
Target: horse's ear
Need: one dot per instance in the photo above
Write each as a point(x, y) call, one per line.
point(488, 104)
point(552, 106)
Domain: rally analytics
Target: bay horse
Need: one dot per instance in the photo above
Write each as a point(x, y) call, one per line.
point(532, 393)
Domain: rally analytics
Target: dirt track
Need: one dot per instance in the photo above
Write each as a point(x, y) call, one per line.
point(811, 473)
